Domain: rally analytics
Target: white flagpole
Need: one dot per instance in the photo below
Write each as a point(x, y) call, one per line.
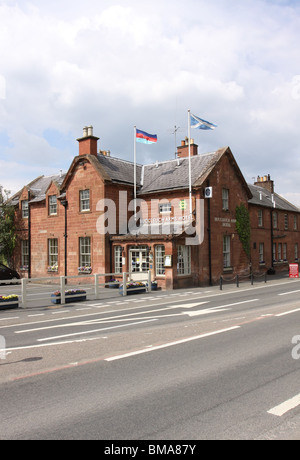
point(134, 172)
point(190, 170)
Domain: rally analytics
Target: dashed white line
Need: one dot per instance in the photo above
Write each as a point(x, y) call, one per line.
point(169, 344)
point(286, 406)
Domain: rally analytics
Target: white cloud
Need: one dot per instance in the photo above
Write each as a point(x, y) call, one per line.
point(66, 64)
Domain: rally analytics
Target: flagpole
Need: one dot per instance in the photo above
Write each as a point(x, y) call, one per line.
point(190, 169)
point(134, 171)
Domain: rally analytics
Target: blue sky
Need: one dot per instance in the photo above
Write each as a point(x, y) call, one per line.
point(115, 64)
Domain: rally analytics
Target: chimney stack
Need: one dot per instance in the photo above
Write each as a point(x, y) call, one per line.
point(266, 182)
point(183, 149)
point(88, 143)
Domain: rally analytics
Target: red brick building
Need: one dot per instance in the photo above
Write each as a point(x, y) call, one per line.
point(84, 221)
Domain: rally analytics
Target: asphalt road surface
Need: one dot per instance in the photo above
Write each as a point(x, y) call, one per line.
point(196, 364)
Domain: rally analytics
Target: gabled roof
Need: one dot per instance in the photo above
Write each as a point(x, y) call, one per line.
point(262, 197)
point(38, 188)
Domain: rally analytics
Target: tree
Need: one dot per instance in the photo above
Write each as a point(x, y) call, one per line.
point(7, 228)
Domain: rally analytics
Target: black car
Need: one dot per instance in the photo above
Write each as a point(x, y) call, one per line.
point(7, 273)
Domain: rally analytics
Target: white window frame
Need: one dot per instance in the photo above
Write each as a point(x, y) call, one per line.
point(160, 260)
point(284, 249)
point(261, 252)
point(260, 218)
point(226, 251)
point(52, 202)
point(183, 260)
point(52, 252)
point(225, 199)
point(164, 208)
point(118, 259)
point(275, 219)
point(25, 209)
point(84, 251)
point(25, 253)
point(84, 198)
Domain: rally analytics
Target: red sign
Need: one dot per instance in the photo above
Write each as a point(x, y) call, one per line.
point(294, 271)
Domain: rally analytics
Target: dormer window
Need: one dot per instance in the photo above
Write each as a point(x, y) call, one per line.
point(52, 205)
point(84, 197)
point(25, 210)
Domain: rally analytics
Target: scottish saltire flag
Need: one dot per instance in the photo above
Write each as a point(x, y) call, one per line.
point(145, 138)
point(197, 122)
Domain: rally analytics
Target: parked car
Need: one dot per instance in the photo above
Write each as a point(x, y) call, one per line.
point(7, 273)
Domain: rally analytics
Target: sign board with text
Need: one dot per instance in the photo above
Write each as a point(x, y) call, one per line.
point(294, 271)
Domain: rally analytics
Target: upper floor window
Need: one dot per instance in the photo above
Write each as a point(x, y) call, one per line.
point(225, 199)
point(25, 210)
point(260, 218)
point(52, 205)
point(295, 223)
point(275, 219)
point(286, 222)
point(84, 198)
point(165, 207)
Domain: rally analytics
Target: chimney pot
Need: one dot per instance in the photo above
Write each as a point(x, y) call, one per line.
point(85, 131)
point(90, 131)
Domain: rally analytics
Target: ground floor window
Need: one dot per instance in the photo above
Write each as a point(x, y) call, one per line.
point(184, 260)
point(159, 259)
point(226, 251)
point(296, 251)
point(261, 253)
point(25, 254)
point(85, 251)
point(53, 252)
point(118, 259)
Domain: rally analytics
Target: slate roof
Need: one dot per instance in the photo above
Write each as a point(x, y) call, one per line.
point(38, 188)
point(121, 171)
point(174, 174)
point(263, 197)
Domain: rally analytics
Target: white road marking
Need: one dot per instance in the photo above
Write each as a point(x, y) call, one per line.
point(286, 406)
point(288, 312)
point(92, 331)
point(218, 309)
point(290, 292)
point(170, 344)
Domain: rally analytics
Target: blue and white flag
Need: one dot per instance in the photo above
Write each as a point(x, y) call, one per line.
point(197, 122)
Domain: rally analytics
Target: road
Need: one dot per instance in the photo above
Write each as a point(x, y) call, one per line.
point(196, 364)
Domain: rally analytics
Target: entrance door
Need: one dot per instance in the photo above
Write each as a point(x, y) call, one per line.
point(139, 263)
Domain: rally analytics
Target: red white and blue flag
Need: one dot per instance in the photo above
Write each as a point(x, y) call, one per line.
point(145, 138)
